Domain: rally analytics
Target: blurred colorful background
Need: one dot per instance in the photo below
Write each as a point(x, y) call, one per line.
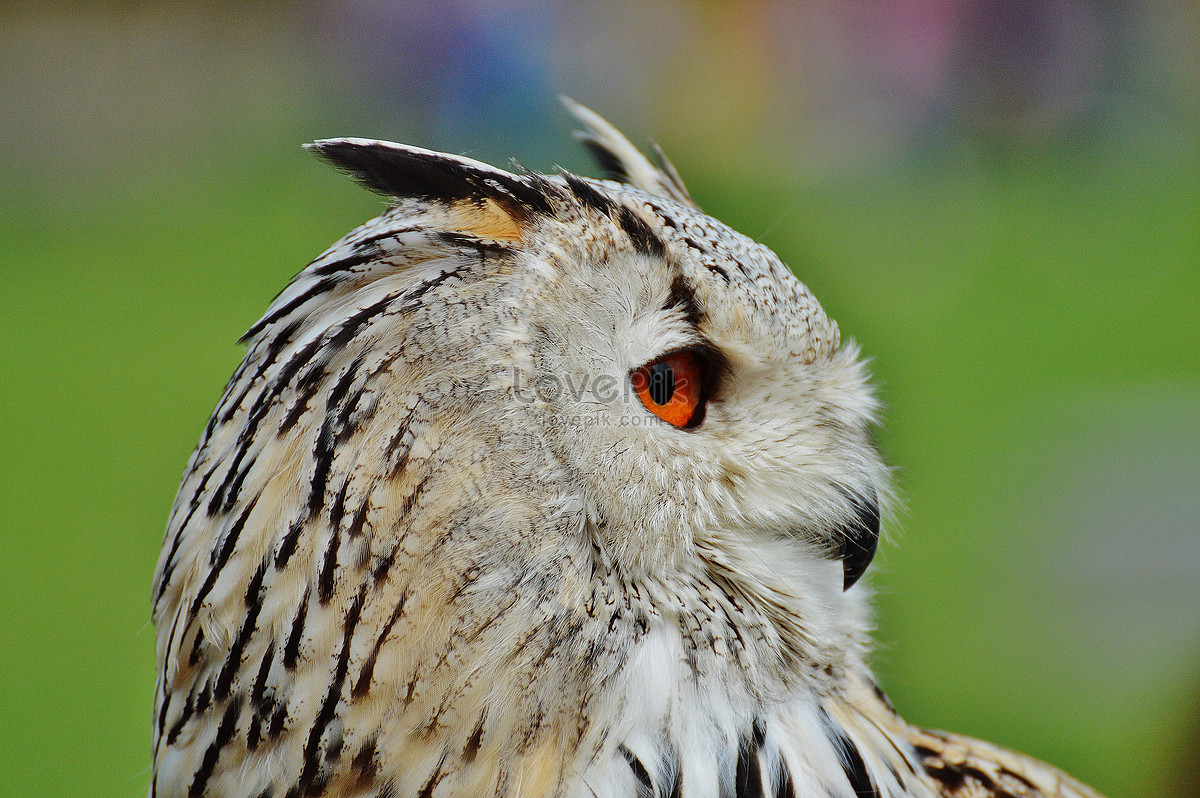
point(1000, 200)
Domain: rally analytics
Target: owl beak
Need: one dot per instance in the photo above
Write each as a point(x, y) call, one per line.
point(858, 540)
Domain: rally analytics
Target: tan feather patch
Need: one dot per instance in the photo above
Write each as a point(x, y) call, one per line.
point(961, 767)
point(483, 218)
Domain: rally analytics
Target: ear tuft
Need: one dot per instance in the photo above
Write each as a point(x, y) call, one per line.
point(622, 161)
point(401, 171)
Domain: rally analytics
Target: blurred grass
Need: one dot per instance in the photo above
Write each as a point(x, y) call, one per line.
point(1024, 309)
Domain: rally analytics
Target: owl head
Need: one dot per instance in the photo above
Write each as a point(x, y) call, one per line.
point(546, 367)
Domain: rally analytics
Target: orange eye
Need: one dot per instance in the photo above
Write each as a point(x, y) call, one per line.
point(672, 388)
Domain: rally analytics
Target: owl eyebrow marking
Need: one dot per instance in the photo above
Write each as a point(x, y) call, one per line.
point(588, 195)
point(683, 297)
point(644, 239)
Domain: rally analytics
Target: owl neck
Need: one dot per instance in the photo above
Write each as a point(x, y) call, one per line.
point(721, 684)
point(766, 619)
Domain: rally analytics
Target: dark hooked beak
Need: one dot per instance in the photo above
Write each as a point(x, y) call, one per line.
point(857, 540)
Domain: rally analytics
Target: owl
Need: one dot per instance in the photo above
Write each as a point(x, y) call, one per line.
point(539, 486)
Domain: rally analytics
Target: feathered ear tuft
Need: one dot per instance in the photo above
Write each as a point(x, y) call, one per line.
point(484, 197)
point(398, 170)
point(622, 161)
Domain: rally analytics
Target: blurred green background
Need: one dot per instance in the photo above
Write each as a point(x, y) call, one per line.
point(999, 200)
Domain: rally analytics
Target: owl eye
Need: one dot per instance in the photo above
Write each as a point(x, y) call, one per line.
point(672, 388)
